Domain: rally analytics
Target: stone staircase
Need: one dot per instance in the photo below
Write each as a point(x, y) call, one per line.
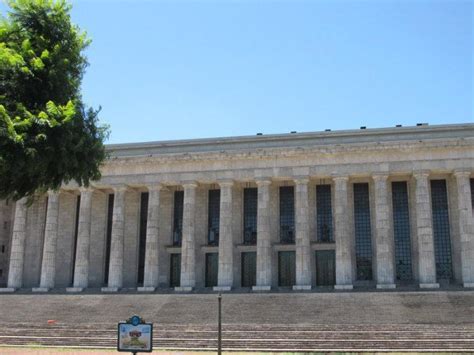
point(247, 337)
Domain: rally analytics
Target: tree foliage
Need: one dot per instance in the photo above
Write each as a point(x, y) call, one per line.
point(47, 134)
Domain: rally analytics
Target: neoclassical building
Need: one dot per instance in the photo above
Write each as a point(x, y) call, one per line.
point(377, 208)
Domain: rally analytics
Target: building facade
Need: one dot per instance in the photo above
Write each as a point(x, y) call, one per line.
point(376, 208)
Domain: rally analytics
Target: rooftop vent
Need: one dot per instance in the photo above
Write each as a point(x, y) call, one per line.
point(259, 134)
point(398, 125)
point(422, 124)
point(363, 127)
point(293, 132)
point(327, 130)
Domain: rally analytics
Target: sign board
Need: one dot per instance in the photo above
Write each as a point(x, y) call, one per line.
point(135, 336)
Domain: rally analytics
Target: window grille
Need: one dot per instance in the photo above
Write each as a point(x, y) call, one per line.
point(441, 234)
point(142, 236)
point(250, 215)
point(213, 217)
point(178, 217)
point(363, 232)
point(324, 214)
point(401, 230)
point(287, 215)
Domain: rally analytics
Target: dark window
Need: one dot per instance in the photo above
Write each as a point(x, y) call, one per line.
point(441, 235)
point(5, 224)
point(363, 233)
point(178, 217)
point(175, 270)
point(212, 264)
point(108, 236)
point(249, 269)
point(142, 236)
point(214, 207)
point(401, 230)
point(287, 215)
point(286, 268)
point(324, 213)
point(472, 193)
point(250, 215)
point(76, 232)
point(3, 248)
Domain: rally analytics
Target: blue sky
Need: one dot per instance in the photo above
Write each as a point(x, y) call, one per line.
point(192, 69)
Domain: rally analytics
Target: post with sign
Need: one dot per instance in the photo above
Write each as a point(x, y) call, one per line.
point(219, 325)
point(135, 336)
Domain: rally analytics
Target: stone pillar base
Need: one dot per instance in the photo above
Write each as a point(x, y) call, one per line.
point(261, 288)
point(386, 286)
point(146, 289)
point(221, 288)
point(431, 285)
point(301, 287)
point(74, 289)
point(183, 289)
point(343, 287)
point(7, 289)
point(468, 284)
point(109, 289)
point(40, 289)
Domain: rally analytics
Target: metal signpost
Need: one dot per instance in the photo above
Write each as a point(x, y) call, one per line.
point(135, 336)
point(219, 325)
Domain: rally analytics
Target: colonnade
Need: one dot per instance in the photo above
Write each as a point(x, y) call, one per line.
point(344, 245)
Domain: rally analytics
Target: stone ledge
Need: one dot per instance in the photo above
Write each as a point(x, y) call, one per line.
point(183, 289)
point(386, 286)
point(7, 289)
point(146, 289)
point(40, 289)
point(301, 287)
point(343, 287)
point(261, 288)
point(221, 288)
point(468, 285)
point(430, 285)
point(109, 289)
point(74, 289)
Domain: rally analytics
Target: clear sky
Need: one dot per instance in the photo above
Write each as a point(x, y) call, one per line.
point(192, 69)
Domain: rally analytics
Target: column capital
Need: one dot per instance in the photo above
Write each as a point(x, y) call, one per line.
point(53, 193)
point(120, 188)
point(263, 182)
point(189, 184)
point(301, 180)
point(380, 176)
point(342, 178)
point(225, 183)
point(84, 190)
point(421, 174)
point(155, 187)
point(462, 173)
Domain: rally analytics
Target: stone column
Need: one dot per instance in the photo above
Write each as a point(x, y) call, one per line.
point(17, 255)
point(466, 226)
point(48, 266)
point(424, 230)
point(303, 247)
point(81, 267)
point(341, 234)
point(226, 245)
point(188, 245)
point(117, 241)
point(264, 248)
point(150, 282)
point(384, 244)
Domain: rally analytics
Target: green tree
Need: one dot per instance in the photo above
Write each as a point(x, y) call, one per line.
point(47, 134)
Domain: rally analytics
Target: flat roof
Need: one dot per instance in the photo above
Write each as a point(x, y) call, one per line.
point(303, 139)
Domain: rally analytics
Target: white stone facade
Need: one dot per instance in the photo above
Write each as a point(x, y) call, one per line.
point(53, 244)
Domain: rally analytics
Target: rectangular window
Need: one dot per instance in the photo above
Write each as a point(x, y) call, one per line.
point(324, 213)
point(250, 215)
point(175, 270)
point(401, 230)
point(286, 268)
point(178, 217)
point(212, 264)
point(214, 207)
point(287, 215)
point(142, 236)
point(249, 269)
point(472, 193)
point(76, 232)
point(108, 236)
point(441, 235)
point(363, 232)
